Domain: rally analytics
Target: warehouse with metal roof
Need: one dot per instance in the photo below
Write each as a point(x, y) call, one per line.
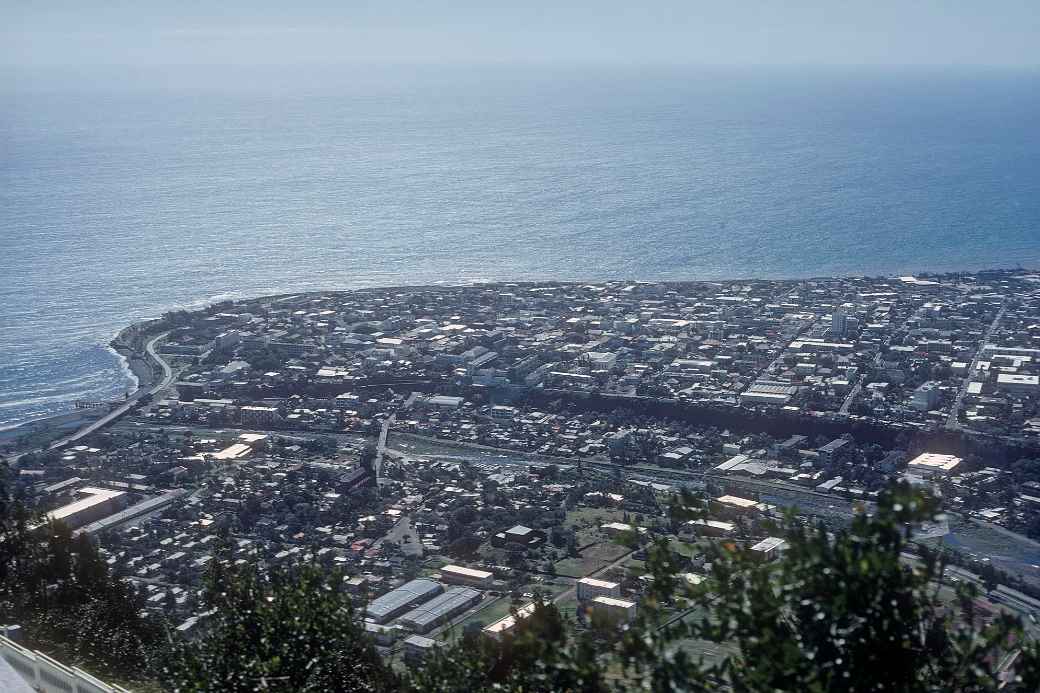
point(399, 600)
point(440, 609)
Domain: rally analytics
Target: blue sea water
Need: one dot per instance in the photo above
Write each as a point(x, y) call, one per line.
point(126, 194)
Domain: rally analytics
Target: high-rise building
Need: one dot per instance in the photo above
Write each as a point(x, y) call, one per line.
point(839, 322)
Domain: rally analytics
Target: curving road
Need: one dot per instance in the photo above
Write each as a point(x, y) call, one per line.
point(111, 416)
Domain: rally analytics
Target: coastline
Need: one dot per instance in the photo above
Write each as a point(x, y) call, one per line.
point(135, 366)
point(65, 420)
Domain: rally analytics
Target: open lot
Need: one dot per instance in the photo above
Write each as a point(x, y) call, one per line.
point(590, 518)
point(591, 559)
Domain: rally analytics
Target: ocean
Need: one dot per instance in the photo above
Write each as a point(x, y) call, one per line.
point(123, 195)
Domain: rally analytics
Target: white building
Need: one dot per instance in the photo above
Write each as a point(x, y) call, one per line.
point(91, 504)
point(507, 623)
point(930, 464)
point(590, 588)
point(709, 528)
point(1019, 384)
point(734, 506)
point(445, 402)
point(769, 549)
point(459, 575)
point(613, 609)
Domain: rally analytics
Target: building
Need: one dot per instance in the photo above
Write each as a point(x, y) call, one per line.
point(383, 635)
point(601, 360)
point(1017, 384)
point(400, 600)
point(91, 504)
point(440, 609)
point(930, 464)
point(839, 323)
point(926, 396)
point(768, 392)
point(233, 452)
point(735, 506)
point(615, 529)
point(503, 413)
point(833, 449)
point(519, 535)
point(506, 624)
point(444, 402)
point(134, 511)
point(259, 416)
point(816, 345)
point(769, 549)
point(416, 648)
point(991, 349)
point(459, 575)
point(612, 610)
point(62, 487)
point(709, 528)
point(590, 588)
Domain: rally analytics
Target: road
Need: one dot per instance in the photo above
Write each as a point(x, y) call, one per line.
point(111, 416)
point(852, 396)
point(952, 421)
point(381, 447)
point(167, 378)
point(617, 562)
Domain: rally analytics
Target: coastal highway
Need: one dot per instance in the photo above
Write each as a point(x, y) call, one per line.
point(164, 382)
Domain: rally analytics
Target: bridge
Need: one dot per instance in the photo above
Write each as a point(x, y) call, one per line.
point(95, 404)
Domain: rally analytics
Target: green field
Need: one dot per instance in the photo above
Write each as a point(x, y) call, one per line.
point(491, 612)
point(591, 559)
point(585, 518)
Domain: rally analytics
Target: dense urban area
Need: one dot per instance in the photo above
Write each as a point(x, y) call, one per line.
point(459, 452)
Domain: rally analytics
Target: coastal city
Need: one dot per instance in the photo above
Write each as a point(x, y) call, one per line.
point(459, 452)
point(563, 347)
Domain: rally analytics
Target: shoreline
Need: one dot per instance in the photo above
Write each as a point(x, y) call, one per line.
point(120, 343)
point(50, 426)
point(133, 364)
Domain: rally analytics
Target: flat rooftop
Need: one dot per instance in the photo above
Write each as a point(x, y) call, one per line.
point(935, 461)
point(94, 496)
point(614, 602)
point(468, 572)
point(737, 501)
point(768, 544)
point(506, 622)
point(593, 582)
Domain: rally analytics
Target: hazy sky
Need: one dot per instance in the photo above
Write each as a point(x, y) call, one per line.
point(821, 32)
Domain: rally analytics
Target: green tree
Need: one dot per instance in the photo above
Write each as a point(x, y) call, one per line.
point(72, 607)
point(284, 631)
point(841, 613)
point(541, 655)
point(837, 613)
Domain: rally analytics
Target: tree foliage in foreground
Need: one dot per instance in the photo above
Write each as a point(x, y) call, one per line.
point(58, 587)
point(286, 631)
point(838, 613)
